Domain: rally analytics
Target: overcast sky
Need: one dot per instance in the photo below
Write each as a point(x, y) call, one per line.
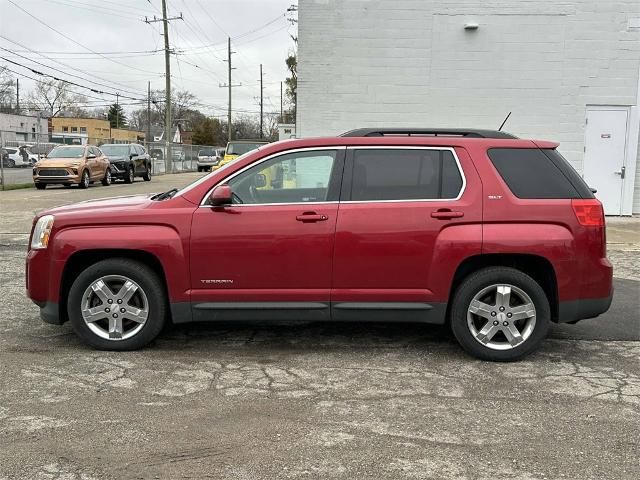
point(259, 33)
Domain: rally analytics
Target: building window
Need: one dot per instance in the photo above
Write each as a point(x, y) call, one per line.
point(83, 129)
point(65, 129)
point(74, 129)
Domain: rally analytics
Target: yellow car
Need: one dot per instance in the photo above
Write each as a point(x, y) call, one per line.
point(236, 148)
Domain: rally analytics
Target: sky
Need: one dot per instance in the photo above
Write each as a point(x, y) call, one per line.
point(106, 44)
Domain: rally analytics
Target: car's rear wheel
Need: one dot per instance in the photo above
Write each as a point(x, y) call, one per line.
point(84, 180)
point(129, 175)
point(117, 304)
point(106, 181)
point(41, 186)
point(500, 314)
point(147, 174)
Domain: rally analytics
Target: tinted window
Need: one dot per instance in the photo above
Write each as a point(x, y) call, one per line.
point(530, 173)
point(291, 178)
point(404, 174)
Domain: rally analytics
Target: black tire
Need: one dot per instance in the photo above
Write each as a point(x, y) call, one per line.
point(147, 174)
point(129, 175)
point(41, 186)
point(84, 180)
point(106, 181)
point(148, 282)
point(11, 163)
point(483, 279)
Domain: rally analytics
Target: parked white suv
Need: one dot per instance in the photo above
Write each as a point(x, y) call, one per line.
point(15, 158)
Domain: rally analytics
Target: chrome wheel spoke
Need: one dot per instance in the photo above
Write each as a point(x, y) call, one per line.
point(94, 314)
point(522, 312)
point(136, 314)
point(102, 291)
point(503, 295)
point(115, 328)
point(488, 331)
point(513, 335)
point(126, 292)
point(480, 308)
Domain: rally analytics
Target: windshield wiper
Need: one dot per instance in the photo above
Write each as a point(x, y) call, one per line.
point(165, 195)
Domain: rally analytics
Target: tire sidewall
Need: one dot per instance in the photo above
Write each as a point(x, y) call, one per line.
point(84, 179)
point(137, 272)
point(491, 276)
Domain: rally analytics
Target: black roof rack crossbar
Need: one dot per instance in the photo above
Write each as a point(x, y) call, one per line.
point(445, 132)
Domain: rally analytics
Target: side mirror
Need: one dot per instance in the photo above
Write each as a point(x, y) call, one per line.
point(259, 180)
point(221, 195)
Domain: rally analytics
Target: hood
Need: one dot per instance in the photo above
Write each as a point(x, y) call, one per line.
point(59, 162)
point(116, 158)
point(127, 202)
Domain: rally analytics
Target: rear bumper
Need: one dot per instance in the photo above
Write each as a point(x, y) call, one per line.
point(575, 310)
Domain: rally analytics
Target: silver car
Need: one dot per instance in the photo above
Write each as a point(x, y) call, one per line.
point(209, 157)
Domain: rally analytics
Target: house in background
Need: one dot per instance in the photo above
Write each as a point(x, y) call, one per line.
point(22, 128)
point(568, 71)
point(95, 131)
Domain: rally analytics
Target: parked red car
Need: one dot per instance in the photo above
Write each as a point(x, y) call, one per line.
point(495, 235)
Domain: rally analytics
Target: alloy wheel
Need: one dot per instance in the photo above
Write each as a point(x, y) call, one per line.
point(114, 307)
point(501, 317)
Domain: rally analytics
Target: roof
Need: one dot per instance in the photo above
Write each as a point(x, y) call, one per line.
point(432, 132)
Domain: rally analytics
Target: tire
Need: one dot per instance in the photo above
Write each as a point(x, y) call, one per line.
point(101, 333)
point(106, 181)
point(129, 177)
point(147, 174)
point(11, 163)
point(84, 180)
point(199, 169)
point(41, 186)
point(485, 329)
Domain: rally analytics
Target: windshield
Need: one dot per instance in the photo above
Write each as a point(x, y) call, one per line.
point(241, 148)
point(206, 152)
point(115, 150)
point(66, 152)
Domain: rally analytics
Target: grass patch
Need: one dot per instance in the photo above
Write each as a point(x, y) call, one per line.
point(16, 186)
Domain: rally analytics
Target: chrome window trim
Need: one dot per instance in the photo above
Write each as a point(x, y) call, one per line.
point(413, 147)
point(269, 157)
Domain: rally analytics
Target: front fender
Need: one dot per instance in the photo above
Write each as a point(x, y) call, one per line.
point(161, 241)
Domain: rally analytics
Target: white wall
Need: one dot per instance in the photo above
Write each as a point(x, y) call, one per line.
point(12, 124)
point(365, 63)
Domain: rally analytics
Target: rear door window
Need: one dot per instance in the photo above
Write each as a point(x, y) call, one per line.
point(405, 174)
point(529, 173)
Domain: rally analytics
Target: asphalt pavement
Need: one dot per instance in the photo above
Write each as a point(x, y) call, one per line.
point(311, 401)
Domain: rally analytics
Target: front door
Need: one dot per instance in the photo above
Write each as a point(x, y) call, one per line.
point(605, 152)
point(268, 255)
point(406, 222)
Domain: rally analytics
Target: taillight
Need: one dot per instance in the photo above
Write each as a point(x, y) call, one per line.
point(588, 212)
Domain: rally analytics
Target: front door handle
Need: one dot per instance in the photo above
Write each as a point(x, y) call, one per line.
point(307, 217)
point(446, 214)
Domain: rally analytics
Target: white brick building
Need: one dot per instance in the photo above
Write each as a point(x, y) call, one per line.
point(553, 63)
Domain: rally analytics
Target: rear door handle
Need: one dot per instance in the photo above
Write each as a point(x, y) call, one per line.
point(446, 214)
point(308, 217)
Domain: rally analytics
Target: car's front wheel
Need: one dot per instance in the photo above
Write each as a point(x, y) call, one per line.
point(500, 314)
point(41, 186)
point(129, 175)
point(84, 180)
point(106, 180)
point(147, 174)
point(117, 304)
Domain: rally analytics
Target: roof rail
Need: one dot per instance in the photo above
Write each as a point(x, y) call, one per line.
point(435, 132)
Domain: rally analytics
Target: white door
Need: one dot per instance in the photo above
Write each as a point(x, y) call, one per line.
point(605, 152)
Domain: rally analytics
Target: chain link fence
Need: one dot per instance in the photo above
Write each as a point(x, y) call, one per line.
point(20, 151)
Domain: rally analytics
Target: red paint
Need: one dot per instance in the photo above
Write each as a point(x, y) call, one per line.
point(378, 251)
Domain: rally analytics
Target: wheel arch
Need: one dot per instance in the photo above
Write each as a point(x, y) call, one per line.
point(82, 259)
point(537, 267)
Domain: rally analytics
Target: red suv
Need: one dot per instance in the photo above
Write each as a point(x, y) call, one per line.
point(495, 235)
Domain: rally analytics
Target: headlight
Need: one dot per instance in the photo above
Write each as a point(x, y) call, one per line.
point(42, 232)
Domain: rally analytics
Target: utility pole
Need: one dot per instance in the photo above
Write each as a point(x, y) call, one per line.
point(17, 95)
point(148, 114)
point(117, 110)
point(261, 103)
point(281, 111)
point(167, 73)
point(229, 85)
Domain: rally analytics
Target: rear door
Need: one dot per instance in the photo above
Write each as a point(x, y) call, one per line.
point(407, 218)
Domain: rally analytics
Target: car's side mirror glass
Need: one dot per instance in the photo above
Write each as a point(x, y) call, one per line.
point(259, 180)
point(221, 195)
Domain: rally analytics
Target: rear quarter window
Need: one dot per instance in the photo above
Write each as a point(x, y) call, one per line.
point(530, 173)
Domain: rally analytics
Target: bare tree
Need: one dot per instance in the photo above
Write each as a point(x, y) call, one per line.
point(7, 85)
point(54, 97)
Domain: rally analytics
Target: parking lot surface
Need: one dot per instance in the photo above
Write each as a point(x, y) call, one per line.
point(253, 401)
